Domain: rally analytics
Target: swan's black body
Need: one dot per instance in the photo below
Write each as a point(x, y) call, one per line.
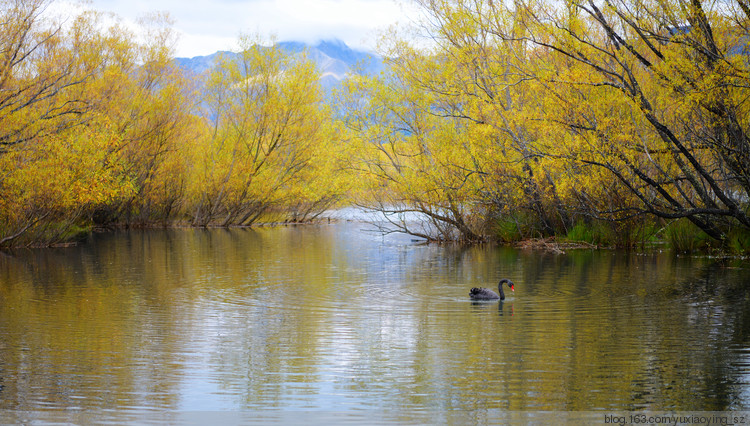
point(487, 294)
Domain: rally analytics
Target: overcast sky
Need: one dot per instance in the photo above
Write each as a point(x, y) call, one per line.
point(207, 26)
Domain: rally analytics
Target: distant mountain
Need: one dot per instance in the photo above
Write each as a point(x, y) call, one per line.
point(200, 64)
point(334, 58)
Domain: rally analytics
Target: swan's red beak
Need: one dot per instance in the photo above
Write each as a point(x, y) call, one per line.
point(512, 287)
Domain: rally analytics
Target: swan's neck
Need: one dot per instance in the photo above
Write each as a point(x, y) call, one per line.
point(500, 287)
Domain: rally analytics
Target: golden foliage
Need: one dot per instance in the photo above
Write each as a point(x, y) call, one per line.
point(563, 112)
point(516, 121)
point(269, 141)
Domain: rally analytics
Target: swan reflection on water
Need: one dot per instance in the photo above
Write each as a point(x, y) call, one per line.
point(482, 304)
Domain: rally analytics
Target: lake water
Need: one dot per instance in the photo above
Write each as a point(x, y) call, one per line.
point(334, 319)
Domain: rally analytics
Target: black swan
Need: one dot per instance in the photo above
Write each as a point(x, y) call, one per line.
point(487, 294)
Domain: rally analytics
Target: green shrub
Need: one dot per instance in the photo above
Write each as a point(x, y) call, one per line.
point(595, 232)
point(508, 229)
point(683, 236)
point(738, 241)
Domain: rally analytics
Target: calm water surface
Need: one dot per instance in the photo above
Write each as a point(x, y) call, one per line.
point(331, 318)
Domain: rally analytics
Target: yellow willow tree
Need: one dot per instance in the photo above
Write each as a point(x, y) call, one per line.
point(653, 92)
point(144, 99)
point(451, 132)
point(51, 163)
point(92, 121)
point(635, 107)
point(424, 162)
point(526, 185)
point(268, 140)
